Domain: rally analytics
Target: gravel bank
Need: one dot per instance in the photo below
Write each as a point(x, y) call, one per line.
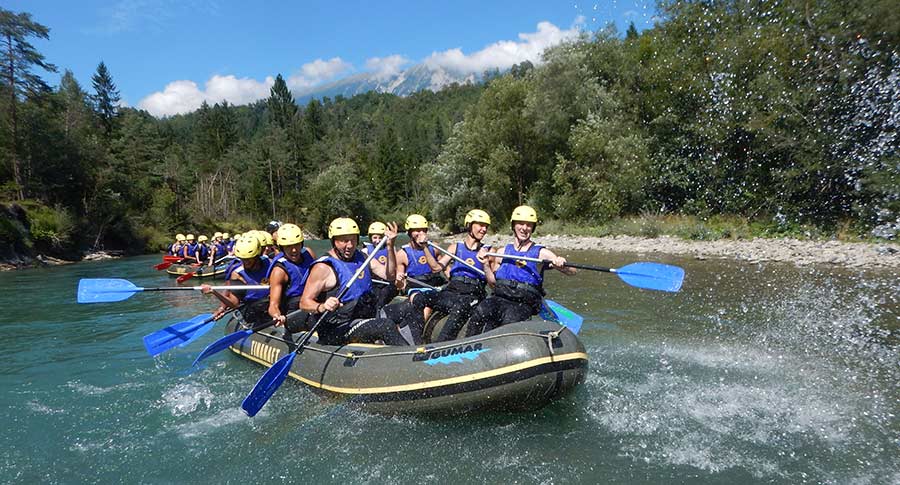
point(801, 253)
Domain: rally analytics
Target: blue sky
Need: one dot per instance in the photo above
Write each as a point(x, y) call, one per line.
point(167, 56)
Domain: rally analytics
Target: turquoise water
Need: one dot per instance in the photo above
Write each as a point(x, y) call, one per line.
point(753, 373)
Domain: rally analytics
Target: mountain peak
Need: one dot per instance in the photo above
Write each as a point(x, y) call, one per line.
point(406, 82)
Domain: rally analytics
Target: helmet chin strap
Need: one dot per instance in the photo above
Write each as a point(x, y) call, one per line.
point(340, 254)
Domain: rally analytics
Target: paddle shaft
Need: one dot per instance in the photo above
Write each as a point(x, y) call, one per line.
point(456, 258)
point(418, 282)
point(182, 288)
point(547, 261)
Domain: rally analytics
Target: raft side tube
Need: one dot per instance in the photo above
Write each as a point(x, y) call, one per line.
point(518, 366)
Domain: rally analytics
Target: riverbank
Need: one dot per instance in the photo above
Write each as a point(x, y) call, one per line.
point(24, 262)
point(757, 250)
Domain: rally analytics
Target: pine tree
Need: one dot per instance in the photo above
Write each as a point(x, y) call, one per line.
point(632, 32)
point(106, 99)
point(281, 104)
point(18, 57)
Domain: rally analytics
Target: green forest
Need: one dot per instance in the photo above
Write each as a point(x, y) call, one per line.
point(783, 115)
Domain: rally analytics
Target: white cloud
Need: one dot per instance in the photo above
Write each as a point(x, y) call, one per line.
point(317, 72)
point(185, 96)
point(504, 54)
point(385, 67)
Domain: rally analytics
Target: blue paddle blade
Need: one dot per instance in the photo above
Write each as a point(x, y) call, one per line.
point(104, 290)
point(555, 312)
point(222, 344)
point(267, 385)
point(652, 276)
point(179, 334)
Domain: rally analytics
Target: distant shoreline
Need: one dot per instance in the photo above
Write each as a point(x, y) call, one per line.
point(758, 250)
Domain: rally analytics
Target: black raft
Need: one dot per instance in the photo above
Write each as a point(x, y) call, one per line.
point(519, 366)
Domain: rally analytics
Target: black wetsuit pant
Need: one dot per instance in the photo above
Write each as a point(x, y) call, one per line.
point(299, 321)
point(457, 301)
point(256, 311)
point(506, 305)
point(408, 319)
point(358, 323)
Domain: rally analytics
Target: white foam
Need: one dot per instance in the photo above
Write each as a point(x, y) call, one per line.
point(185, 398)
point(204, 426)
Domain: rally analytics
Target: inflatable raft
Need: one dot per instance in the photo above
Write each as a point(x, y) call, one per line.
point(199, 271)
point(519, 366)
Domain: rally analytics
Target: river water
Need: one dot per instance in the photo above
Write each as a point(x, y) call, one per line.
point(752, 373)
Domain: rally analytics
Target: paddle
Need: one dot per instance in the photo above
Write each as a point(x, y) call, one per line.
point(105, 290)
point(275, 375)
point(650, 276)
point(165, 265)
point(457, 258)
point(554, 312)
point(234, 337)
point(550, 310)
point(180, 334)
point(185, 277)
point(424, 285)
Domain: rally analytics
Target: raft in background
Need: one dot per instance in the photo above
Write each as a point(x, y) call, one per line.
point(520, 366)
point(217, 272)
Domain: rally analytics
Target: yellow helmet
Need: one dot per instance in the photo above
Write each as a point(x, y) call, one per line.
point(202, 238)
point(289, 234)
point(267, 238)
point(477, 215)
point(257, 235)
point(179, 237)
point(524, 213)
point(415, 221)
point(247, 247)
point(342, 226)
point(377, 228)
point(225, 235)
point(217, 234)
point(190, 237)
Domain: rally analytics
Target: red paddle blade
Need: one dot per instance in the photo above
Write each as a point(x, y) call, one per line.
point(184, 277)
point(162, 266)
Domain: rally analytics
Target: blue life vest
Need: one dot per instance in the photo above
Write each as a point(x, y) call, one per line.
point(344, 270)
point(381, 255)
point(418, 265)
point(367, 247)
point(469, 256)
point(259, 276)
point(220, 250)
point(230, 269)
point(297, 272)
point(190, 250)
point(521, 271)
point(203, 249)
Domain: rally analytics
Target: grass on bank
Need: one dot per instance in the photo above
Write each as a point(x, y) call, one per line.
point(702, 229)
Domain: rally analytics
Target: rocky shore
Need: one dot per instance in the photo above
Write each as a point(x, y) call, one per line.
point(22, 262)
point(801, 253)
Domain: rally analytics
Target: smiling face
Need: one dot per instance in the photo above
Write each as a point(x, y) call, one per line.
point(522, 230)
point(478, 230)
point(345, 246)
point(376, 238)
